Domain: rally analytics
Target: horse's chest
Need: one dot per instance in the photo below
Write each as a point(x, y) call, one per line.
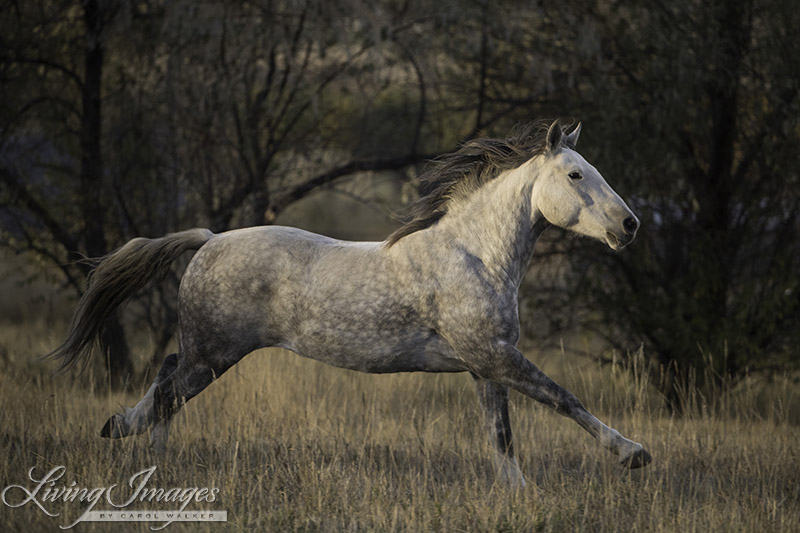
point(473, 315)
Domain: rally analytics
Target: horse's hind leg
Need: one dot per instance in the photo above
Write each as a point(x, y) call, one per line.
point(190, 377)
point(180, 379)
point(493, 399)
point(136, 420)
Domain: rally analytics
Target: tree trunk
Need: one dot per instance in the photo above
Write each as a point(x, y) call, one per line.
point(718, 246)
point(112, 341)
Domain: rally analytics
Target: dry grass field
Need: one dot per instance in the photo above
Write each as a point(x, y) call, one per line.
point(294, 445)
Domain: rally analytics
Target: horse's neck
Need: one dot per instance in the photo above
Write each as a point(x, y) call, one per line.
point(499, 223)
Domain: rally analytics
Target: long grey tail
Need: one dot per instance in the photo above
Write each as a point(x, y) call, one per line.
point(117, 277)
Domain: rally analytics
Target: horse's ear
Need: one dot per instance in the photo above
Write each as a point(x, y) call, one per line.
point(554, 136)
point(571, 140)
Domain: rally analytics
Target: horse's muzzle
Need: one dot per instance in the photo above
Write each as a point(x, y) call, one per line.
point(630, 225)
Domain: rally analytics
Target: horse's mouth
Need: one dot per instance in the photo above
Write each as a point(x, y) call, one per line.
point(615, 242)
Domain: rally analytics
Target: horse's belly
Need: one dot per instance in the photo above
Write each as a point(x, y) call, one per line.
point(375, 354)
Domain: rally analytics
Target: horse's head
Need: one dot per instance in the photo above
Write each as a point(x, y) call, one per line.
point(572, 194)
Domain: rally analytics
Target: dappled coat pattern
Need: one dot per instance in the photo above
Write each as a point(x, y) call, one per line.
point(439, 295)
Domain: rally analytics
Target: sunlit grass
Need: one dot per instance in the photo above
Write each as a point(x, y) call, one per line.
point(296, 445)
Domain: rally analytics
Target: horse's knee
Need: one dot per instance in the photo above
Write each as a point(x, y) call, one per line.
point(567, 404)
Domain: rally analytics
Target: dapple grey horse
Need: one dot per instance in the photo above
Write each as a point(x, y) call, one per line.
point(439, 295)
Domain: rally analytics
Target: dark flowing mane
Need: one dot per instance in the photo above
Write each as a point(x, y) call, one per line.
point(459, 174)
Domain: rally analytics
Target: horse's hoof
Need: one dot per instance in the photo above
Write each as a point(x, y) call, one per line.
point(115, 427)
point(637, 459)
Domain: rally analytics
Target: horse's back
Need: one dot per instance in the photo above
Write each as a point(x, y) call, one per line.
point(336, 301)
point(265, 280)
point(259, 250)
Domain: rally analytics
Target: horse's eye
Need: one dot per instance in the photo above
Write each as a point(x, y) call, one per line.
point(575, 176)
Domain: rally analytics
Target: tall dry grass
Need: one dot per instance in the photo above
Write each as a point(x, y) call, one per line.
point(295, 445)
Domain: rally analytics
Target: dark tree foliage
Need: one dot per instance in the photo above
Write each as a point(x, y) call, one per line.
point(141, 118)
point(694, 118)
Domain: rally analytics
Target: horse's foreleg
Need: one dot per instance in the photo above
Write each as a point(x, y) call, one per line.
point(511, 368)
point(493, 398)
point(136, 420)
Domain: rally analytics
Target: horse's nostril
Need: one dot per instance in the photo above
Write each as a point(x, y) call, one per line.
point(630, 225)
